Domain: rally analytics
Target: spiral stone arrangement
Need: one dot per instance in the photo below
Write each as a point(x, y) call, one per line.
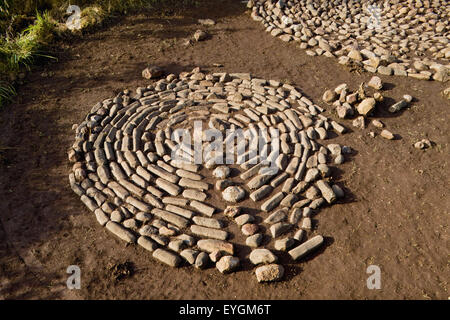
point(401, 37)
point(136, 167)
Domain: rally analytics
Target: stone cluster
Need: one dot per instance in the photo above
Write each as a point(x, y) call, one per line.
point(401, 37)
point(125, 170)
point(359, 104)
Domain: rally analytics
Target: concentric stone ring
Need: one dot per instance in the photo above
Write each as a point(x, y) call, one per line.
point(147, 167)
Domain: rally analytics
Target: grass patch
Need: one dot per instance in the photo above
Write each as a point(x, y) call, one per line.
point(25, 33)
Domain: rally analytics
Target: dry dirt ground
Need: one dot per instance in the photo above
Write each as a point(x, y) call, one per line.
point(395, 214)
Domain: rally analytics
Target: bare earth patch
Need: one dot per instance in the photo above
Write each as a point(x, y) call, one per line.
point(394, 215)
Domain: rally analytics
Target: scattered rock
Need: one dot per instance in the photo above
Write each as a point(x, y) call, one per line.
point(446, 93)
point(377, 123)
point(366, 106)
point(375, 83)
point(152, 72)
point(200, 35)
point(207, 22)
point(398, 106)
point(329, 96)
point(359, 122)
point(387, 134)
point(423, 144)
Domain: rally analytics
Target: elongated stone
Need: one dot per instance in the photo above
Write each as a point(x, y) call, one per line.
point(261, 193)
point(188, 214)
point(169, 187)
point(147, 243)
point(272, 202)
point(279, 228)
point(180, 164)
point(306, 247)
point(151, 199)
point(194, 195)
point(208, 222)
point(292, 166)
point(188, 174)
point(170, 217)
point(211, 245)
point(193, 184)
point(167, 257)
point(132, 188)
point(279, 179)
point(253, 170)
point(277, 216)
point(259, 181)
point(101, 216)
point(138, 204)
point(89, 203)
point(327, 191)
point(120, 231)
point(202, 208)
point(163, 174)
point(209, 232)
point(175, 201)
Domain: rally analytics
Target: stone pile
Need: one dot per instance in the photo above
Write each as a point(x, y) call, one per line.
point(359, 105)
point(127, 169)
point(401, 37)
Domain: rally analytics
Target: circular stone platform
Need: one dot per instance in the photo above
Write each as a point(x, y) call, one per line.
point(403, 37)
point(136, 171)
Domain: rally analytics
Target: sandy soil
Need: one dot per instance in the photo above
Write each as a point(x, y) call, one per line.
point(395, 214)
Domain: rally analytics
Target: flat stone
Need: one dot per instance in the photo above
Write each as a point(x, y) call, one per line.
point(387, 134)
point(243, 219)
point(227, 264)
point(254, 241)
point(376, 83)
point(262, 256)
point(269, 273)
point(152, 72)
point(249, 229)
point(233, 194)
point(366, 106)
point(211, 245)
point(284, 244)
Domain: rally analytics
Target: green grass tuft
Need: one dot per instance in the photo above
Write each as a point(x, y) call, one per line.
point(7, 92)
